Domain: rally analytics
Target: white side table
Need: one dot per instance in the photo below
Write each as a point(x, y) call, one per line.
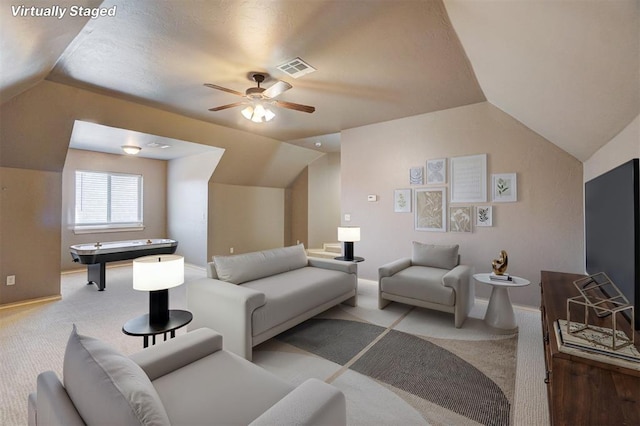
point(500, 311)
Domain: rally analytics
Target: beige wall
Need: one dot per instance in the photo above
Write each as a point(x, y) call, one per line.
point(620, 149)
point(154, 174)
point(245, 218)
point(542, 231)
point(298, 205)
point(35, 128)
point(324, 200)
point(187, 204)
point(30, 203)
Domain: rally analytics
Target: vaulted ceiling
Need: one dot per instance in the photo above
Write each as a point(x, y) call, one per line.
point(567, 69)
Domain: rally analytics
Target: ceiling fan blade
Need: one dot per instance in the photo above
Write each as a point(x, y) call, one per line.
point(220, 108)
point(277, 89)
point(297, 107)
point(224, 89)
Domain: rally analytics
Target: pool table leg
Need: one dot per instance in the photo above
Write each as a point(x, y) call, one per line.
point(96, 275)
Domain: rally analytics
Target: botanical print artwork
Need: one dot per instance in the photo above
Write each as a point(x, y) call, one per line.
point(460, 219)
point(430, 210)
point(402, 201)
point(416, 176)
point(504, 187)
point(437, 171)
point(484, 216)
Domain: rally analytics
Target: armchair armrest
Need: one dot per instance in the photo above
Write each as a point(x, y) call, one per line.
point(337, 265)
point(176, 353)
point(394, 267)
point(226, 308)
point(459, 279)
point(312, 403)
point(52, 403)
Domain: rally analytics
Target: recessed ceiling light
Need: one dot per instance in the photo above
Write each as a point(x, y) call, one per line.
point(318, 144)
point(131, 149)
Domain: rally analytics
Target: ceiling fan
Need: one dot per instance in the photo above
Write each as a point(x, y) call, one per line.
point(258, 99)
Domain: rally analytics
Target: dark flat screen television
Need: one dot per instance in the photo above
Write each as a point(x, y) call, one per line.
point(612, 229)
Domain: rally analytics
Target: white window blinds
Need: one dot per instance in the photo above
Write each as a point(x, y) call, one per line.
point(108, 199)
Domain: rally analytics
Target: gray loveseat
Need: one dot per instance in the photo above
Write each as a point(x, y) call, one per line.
point(249, 298)
point(188, 380)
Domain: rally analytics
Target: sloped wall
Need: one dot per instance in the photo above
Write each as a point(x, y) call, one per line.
point(543, 230)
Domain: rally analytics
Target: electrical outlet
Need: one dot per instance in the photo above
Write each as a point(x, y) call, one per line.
point(347, 217)
point(231, 250)
point(11, 280)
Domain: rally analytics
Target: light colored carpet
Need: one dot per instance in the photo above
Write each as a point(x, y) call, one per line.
point(33, 339)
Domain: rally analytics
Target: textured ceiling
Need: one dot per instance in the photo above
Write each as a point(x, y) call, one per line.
point(569, 70)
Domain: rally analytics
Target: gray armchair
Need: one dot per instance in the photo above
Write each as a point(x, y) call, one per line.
point(432, 278)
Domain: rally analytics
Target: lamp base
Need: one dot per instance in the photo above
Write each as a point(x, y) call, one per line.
point(159, 307)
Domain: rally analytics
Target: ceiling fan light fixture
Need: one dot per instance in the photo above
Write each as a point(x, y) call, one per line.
point(258, 113)
point(248, 112)
point(131, 149)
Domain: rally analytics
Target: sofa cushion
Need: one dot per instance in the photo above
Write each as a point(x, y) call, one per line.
point(106, 387)
point(296, 292)
point(241, 268)
point(421, 283)
point(444, 257)
point(219, 389)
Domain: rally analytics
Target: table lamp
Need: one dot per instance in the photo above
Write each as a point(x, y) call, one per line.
point(347, 235)
point(157, 274)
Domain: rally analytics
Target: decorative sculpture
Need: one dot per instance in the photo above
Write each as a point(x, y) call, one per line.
point(500, 264)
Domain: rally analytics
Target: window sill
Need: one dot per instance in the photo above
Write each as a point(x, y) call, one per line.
point(106, 228)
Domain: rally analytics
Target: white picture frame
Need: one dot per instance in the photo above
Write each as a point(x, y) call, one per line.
point(402, 200)
point(504, 188)
point(430, 209)
point(468, 177)
point(436, 171)
point(484, 216)
point(416, 176)
point(461, 219)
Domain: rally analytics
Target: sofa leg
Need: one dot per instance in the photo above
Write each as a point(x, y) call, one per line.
point(382, 303)
point(352, 301)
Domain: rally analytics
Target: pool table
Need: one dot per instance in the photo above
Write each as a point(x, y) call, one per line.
point(96, 255)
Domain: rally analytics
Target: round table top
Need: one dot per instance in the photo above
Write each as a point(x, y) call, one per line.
point(515, 282)
point(140, 326)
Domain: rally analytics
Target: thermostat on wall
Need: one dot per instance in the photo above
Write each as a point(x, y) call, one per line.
point(372, 197)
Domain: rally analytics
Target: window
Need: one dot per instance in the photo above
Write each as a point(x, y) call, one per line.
point(108, 200)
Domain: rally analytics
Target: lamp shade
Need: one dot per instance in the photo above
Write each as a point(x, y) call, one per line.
point(151, 273)
point(349, 233)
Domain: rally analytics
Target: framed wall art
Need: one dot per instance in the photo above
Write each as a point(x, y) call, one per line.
point(504, 188)
point(402, 201)
point(416, 176)
point(430, 209)
point(469, 179)
point(460, 219)
point(437, 171)
point(484, 216)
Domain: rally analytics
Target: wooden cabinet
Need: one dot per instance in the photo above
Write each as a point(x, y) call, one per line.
point(582, 391)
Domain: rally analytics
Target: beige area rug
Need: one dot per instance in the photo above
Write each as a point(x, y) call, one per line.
point(33, 339)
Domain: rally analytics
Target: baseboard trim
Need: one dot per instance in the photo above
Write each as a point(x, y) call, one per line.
point(31, 302)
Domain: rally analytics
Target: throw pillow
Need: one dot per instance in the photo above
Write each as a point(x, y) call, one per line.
point(241, 268)
point(107, 387)
point(444, 257)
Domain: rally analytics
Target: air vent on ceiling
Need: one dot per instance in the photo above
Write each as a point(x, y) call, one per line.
point(296, 68)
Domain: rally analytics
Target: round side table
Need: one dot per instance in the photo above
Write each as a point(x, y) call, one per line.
point(139, 326)
point(500, 315)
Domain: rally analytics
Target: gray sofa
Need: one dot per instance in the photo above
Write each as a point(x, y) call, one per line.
point(249, 298)
point(188, 380)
